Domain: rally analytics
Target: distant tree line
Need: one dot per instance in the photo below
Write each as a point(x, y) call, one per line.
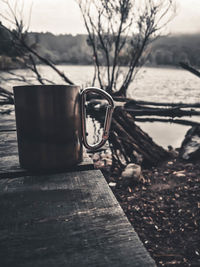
point(9, 56)
point(62, 48)
point(175, 49)
point(69, 49)
point(6, 43)
point(76, 49)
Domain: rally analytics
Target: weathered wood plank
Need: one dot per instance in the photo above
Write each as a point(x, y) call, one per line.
point(9, 162)
point(70, 219)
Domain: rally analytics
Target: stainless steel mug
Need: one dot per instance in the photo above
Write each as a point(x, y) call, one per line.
point(51, 126)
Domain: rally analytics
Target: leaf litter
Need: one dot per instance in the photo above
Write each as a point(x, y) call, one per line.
point(164, 210)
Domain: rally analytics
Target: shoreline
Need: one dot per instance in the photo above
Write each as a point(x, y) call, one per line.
point(153, 66)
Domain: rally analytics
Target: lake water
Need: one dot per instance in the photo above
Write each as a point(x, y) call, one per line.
point(151, 84)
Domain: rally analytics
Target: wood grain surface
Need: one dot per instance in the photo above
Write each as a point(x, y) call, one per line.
point(69, 219)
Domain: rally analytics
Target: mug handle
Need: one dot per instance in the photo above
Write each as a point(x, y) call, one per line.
point(108, 116)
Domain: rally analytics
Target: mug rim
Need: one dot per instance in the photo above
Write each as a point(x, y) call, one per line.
point(45, 86)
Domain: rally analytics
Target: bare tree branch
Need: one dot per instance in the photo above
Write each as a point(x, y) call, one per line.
point(19, 41)
point(119, 33)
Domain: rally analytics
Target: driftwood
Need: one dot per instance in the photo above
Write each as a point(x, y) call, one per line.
point(96, 108)
point(127, 141)
point(130, 144)
point(143, 108)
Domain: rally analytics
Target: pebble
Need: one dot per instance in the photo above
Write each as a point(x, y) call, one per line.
point(132, 171)
point(112, 184)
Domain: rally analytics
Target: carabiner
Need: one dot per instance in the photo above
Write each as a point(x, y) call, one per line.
point(108, 117)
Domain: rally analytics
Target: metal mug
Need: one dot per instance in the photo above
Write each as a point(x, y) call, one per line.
point(51, 127)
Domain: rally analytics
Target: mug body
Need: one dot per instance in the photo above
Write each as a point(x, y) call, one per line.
point(48, 126)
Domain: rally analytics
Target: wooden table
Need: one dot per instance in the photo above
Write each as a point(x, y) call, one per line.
point(61, 219)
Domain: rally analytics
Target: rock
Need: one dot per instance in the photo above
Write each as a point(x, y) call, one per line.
point(112, 184)
point(190, 147)
point(132, 173)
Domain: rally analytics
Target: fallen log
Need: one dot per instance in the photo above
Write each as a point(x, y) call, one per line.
point(97, 106)
point(133, 144)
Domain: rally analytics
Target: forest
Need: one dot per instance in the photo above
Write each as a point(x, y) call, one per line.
point(69, 49)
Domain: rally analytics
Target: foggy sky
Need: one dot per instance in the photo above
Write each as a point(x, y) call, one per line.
point(63, 16)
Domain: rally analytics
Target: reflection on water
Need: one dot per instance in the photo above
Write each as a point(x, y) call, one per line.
point(165, 85)
point(165, 134)
point(94, 131)
point(151, 84)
